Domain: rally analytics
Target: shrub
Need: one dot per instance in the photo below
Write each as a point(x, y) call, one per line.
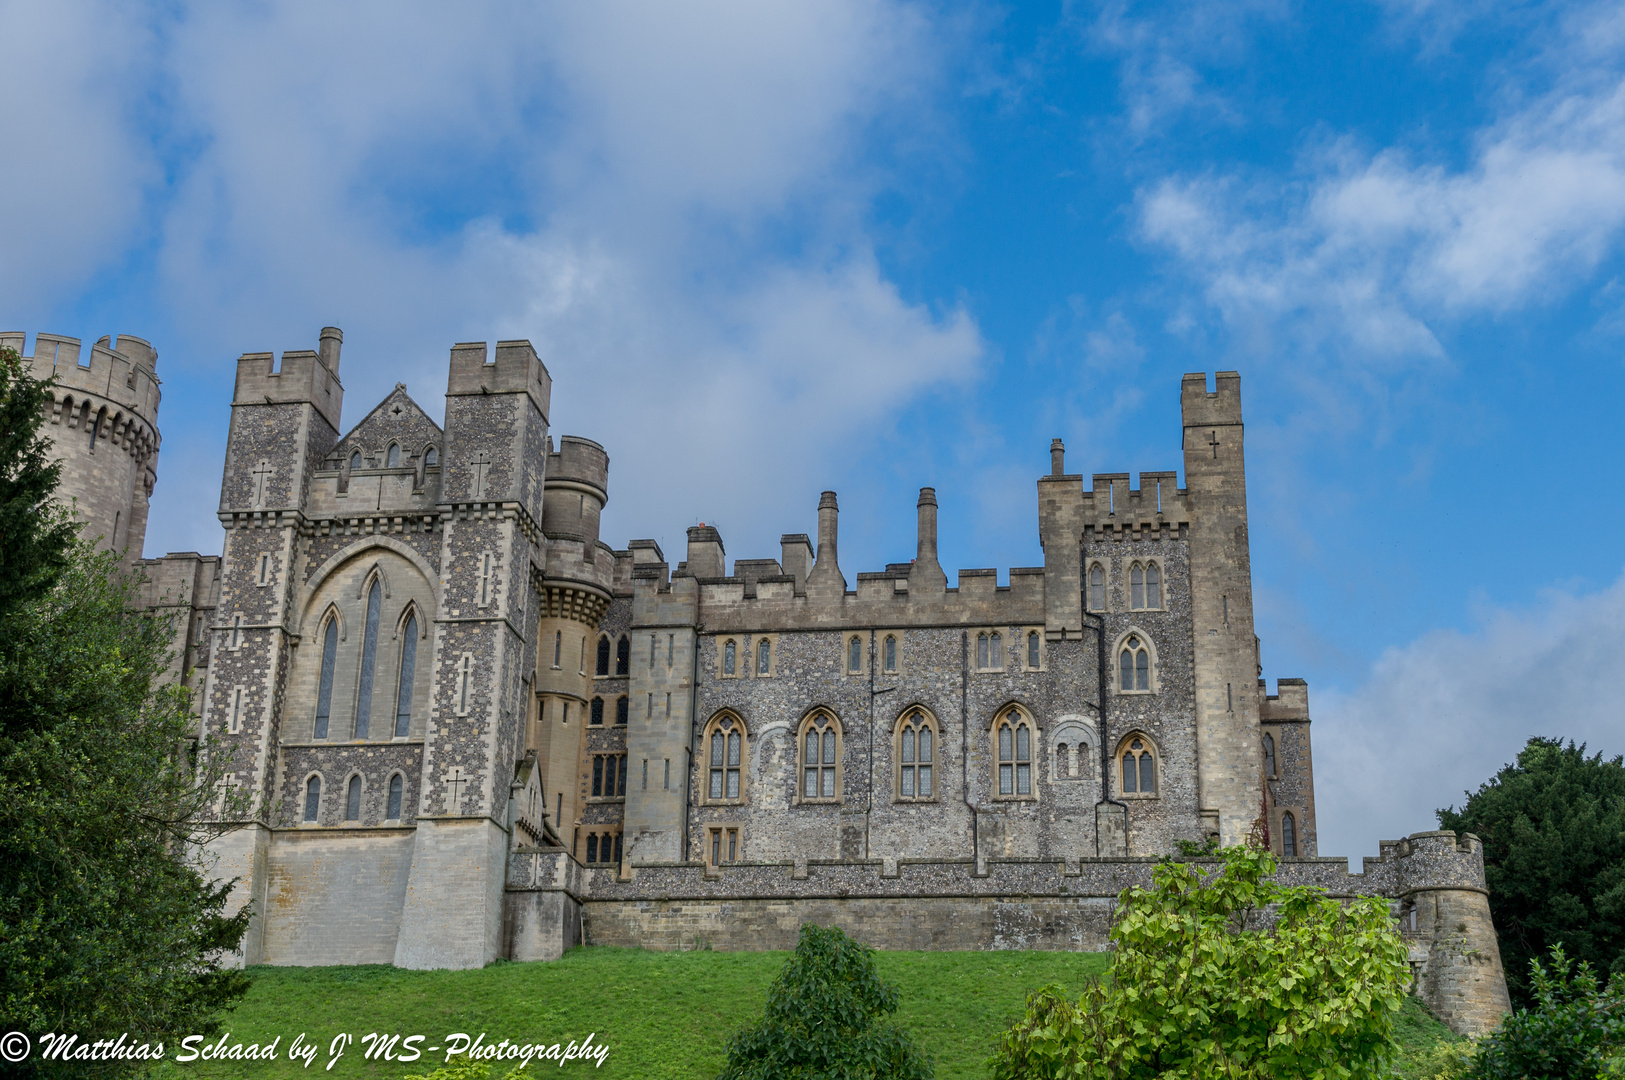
point(824, 1019)
point(1572, 1032)
point(1204, 985)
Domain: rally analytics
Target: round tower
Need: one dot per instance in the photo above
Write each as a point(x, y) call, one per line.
point(1441, 877)
point(103, 426)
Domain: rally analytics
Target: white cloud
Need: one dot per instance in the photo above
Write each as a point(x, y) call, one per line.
point(1440, 715)
point(1364, 254)
point(668, 199)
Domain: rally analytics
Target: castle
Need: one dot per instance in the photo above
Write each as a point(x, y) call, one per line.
point(469, 729)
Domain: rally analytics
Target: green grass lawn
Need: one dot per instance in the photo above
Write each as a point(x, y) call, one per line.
point(663, 1015)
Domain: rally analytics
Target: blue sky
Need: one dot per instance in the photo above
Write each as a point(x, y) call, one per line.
point(771, 249)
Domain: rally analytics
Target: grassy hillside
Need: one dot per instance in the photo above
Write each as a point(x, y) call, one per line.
point(663, 1015)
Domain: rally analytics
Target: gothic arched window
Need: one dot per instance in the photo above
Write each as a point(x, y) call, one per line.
point(622, 708)
point(820, 756)
point(1013, 736)
point(1139, 768)
point(596, 715)
point(397, 785)
point(730, 651)
point(854, 654)
point(1269, 755)
point(1134, 665)
point(726, 751)
point(1097, 588)
point(324, 691)
point(1153, 586)
point(981, 650)
point(1289, 836)
point(603, 656)
point(355, 461)
point(431, 457)
point(623, 655)
point(764, 656)
point(1136, 578)
point(409, 663)
point(369, 658)
point(313, 798)
point(352, 800)
point(393, 458)
point(890, 652)
point(916, 756)
point(1033, 655)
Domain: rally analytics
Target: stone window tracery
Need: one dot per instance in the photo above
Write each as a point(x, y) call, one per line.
point(724, 846)
point(1138, 766)
point(916, 750)
point(609, 776)
point(1145, 586)
point(725, 756)
point(1134, 665)
point(1013, 744)
point(820, 745)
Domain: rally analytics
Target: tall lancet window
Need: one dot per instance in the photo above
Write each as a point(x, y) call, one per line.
point(324, 694)
point(1289, 836)
point(409, 663)
point(369, 659)
point(352, 800)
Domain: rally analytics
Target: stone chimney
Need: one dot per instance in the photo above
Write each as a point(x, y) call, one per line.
point(328, 350)
point(1057, 458)
point(926, 578)
point(825, 582)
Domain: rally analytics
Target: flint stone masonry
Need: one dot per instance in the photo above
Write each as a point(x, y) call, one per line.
point(484, 535)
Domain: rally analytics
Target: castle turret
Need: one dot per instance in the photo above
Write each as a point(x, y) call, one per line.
point(103, 426)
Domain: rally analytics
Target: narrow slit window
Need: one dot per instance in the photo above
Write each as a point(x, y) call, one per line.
point(409, 663)
point(558, 647)
point(1289, 836)
point(396, 786)
point(1269, 755)
point(764, 656)
point(891, 653)
point(324, 692)
point(369, 659)
point(729, 656)
point(854, 654)
point(352, 800)
point(1032, 649)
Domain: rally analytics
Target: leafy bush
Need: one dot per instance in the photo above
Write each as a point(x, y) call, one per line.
point(824, 1019)
point(1203, 984)
point(1572, 1032)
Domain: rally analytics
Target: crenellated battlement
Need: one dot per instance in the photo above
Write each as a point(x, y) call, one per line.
point(302, 375)
point(513, 369)
point(120, 373)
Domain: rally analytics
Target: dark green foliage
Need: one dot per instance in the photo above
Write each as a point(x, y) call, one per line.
point(825, 1020)
point(33, 532)
point(1553, 826)
point(1571, 1033)
point(1203, 986)
point(106, 923)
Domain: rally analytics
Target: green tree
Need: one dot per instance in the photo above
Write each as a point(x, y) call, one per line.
point(34, 532)
point(1573, 1031)
point(825, 1019)
point(1553, 826)
point(108, 923)
point(1206, 983)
